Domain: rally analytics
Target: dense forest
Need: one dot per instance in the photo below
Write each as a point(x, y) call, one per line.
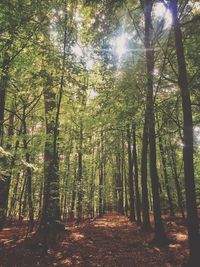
point(99, 133)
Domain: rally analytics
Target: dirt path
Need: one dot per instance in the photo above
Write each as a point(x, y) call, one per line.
point(107, 242)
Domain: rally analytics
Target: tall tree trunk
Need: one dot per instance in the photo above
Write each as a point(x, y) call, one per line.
point(101, 176)
point(73, 196)
point(49, 223)
point(125, 197)
point(135, 164)
point(28, 173)
point(21, 198)
point(3, 87)
point(14, 196)
point(159, 232)
point(172, 158)
point(5, 180)
point(146, 225)
point(68, 159)
point(119, 184)
point(130, 177)
point(166, 177)
point(91, 185)
point(122, 173)
point(80, 174)
point(192, 217)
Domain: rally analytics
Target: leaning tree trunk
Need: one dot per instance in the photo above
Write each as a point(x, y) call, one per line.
point(159, 232)
point(192, 217)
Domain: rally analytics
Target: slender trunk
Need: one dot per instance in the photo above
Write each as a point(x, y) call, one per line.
point(126, 194)
point(122, 174)
point(65, 186)
point(28, 174)
point(119, 184)
point(176, 179)
point(3, 87)
point(101, 176)
point(146, 225)
point(80, 174)
point(73, 199)
point(135, 164)
point(124, 181)
point(40, 199)
point(5, 180)
point(130, 177)
point(91, 189)
point(166, 177)
point(21, 198)
point(14, 195)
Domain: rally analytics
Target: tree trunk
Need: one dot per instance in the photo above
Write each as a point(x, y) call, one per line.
point(166, 177)
point(3, 87)
point(91, 185)
point(21, 198)
point(146, 226)
point(192, 217)
point(101, 176)
point(160, 237)
point(5, 180)
point(73, 196)
point(49, 223)
point(80, 174)
point(28, 174)
point(130, 177)
point(14, 196)
point(176, 179)
point(135, 164)
point(66, 184)
point(119, 184)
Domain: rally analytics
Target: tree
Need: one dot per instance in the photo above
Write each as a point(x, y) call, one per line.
point(160, 236)
point(192, 217)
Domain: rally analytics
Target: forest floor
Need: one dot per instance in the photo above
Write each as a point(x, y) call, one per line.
point(110, 241)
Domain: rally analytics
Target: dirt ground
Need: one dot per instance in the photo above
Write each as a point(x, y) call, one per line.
point(110, 241)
